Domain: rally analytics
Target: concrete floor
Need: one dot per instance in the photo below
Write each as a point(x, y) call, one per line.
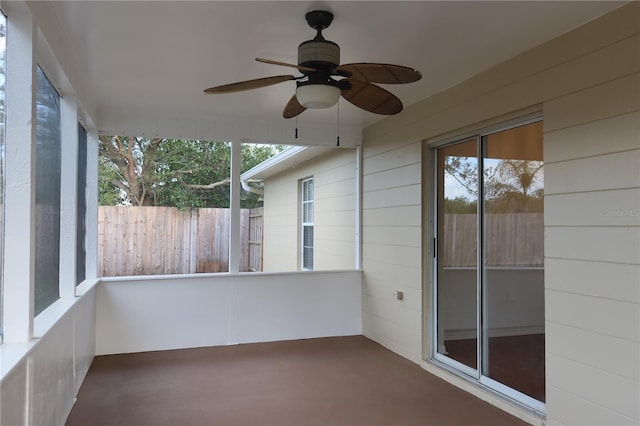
point(330, 381)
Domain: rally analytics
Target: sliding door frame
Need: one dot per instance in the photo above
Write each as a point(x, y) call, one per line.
point(482, 339)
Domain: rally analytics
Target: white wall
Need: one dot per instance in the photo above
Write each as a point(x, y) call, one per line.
point(149, 313)
point(334, 177)
point(587, 84)
point(40, 388)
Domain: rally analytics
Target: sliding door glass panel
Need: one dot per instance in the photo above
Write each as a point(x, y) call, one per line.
point(513, 259)
point(457, 266)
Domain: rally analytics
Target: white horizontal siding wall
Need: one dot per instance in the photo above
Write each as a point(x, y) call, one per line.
point(592, 195)
point(280, 227)
point(587, 85)
point(391, 245)
point(334, 214)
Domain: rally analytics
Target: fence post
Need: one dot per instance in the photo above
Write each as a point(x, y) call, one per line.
point(193, 241)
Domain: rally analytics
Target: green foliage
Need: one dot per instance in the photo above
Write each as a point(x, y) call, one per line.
point(108, 193)
point(510, 186)
point(460, 205)
point(172, 172)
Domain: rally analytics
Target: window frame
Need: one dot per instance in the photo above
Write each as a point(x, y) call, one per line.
point(305, 223)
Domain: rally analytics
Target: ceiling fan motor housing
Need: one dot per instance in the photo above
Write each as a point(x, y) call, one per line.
point(319, 54)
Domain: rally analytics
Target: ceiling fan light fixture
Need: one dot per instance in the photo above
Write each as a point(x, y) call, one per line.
point(317, 96)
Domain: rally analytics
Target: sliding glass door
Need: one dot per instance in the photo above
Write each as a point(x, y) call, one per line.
point(489, 260)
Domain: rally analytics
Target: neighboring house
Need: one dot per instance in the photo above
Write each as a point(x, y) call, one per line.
point(313, 190)
point(376, 212)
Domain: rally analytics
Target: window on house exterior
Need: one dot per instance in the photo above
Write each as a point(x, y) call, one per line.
point(3, 65)
point(47, 230)
point(81, 226)
point(489, 273)
point(306, 225)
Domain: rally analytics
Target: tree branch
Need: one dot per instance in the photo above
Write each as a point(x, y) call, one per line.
point(209, 186)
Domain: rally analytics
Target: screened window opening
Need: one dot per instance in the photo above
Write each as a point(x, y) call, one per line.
point(81, 206)
point(173, 211)
point(307, 223)
point(47, 230)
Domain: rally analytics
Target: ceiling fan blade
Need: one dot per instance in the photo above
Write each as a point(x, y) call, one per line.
point(380, 73)
point(284, 64)
point(293, 108)
point(249, 84)
point(372, 98)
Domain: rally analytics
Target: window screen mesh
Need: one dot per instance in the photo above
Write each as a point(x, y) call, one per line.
point(47, 256)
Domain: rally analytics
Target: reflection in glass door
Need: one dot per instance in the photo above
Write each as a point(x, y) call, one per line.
point(489, 286)
point(457, 273)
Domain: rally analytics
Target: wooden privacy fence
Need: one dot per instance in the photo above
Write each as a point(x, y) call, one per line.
point(511, 239)
point(166, 240)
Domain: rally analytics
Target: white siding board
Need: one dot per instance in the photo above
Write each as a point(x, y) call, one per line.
point(599, 279)
point(392, 197)
point(393, 336)
point(610, 99)
point(570, 409)
point(402, 156)
point(337, 233)
point(401, 176)
point(600, 208)
point(381, 147)
point(385, 291)
point(337, 189)
point(612, 354)
point(600, 244)
point(336, 218)
point(333, 203)
point(386, 272)
point(580, 378)
point(618, 170)
point(325, 250)
point(605, 136)
point(397, 255)
point(604, 316)
point(399, 216)
point(393, 235)
point(393, 310)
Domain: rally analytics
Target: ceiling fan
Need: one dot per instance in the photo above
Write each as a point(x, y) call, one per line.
point(323, 80)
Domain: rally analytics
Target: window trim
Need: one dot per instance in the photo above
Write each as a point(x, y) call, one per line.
point(306, 224)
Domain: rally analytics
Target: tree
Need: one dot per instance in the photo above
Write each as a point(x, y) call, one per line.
point(509, 186)
point(459, 205)
point(517, 188)
point(171, 172)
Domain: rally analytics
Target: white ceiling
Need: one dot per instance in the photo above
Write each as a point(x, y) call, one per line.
point(154, 58)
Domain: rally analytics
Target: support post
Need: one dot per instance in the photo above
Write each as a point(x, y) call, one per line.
point(68, 196)
point(20, 168)
point(234, 233)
